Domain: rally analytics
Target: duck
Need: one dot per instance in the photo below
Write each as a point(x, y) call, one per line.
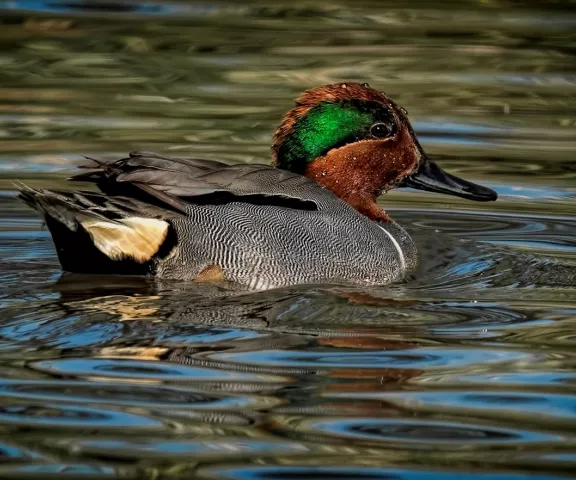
point(309, 217)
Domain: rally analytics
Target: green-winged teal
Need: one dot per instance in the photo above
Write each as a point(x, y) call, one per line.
point(310, 218)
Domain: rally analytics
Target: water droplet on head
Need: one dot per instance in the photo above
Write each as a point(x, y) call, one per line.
point(344, 85)
point(365, 85)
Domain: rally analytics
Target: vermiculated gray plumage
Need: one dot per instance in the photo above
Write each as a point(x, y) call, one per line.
point(264, 227)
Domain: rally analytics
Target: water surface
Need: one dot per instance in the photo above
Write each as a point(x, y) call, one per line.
point(466, 371)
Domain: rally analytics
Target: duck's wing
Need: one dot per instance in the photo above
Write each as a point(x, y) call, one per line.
point(173, 182)
point(128, 222)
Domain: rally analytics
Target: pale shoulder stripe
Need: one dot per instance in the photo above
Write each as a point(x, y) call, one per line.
point(398, 248)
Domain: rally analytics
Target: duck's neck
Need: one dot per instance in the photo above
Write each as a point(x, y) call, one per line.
point(355, 176)
point(362, 201)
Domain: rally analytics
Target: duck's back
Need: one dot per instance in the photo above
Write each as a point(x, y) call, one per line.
point(252, 224)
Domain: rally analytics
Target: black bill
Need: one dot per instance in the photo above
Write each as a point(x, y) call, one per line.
point(432, 178)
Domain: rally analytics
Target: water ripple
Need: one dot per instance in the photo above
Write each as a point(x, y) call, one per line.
point(541, 408)
point(425, 433)
point(138, 370)
point(119, 394)
point(159, 449)
point(10, 453)
point(505, 379)
point(73, 471)
point(343, 471)
point(70, 417)
point(423, 357)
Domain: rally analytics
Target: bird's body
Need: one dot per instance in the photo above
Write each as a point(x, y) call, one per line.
point(255, 225)
point(251, 224)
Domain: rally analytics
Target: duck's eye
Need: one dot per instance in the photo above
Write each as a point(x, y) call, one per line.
point(381, 130)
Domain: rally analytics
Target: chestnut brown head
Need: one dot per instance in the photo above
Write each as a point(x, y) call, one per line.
point(357, 142)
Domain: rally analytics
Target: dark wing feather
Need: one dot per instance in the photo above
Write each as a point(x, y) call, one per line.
point(173, 182)
point(68, 207)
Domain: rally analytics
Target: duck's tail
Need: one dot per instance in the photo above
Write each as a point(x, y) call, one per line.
point(98, 234)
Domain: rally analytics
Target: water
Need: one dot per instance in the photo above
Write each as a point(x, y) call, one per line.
point(466, 371)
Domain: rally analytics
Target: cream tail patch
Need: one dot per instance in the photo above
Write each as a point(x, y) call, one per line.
point(133, 238)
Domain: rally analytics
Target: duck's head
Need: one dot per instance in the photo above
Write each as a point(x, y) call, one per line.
point(357, 142)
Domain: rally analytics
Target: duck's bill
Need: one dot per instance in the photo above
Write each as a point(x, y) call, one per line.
point(432, 178)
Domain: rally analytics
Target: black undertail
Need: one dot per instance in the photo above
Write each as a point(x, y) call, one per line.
point(62, 212)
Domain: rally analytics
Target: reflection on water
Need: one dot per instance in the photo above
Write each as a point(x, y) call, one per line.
point(466, 371)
